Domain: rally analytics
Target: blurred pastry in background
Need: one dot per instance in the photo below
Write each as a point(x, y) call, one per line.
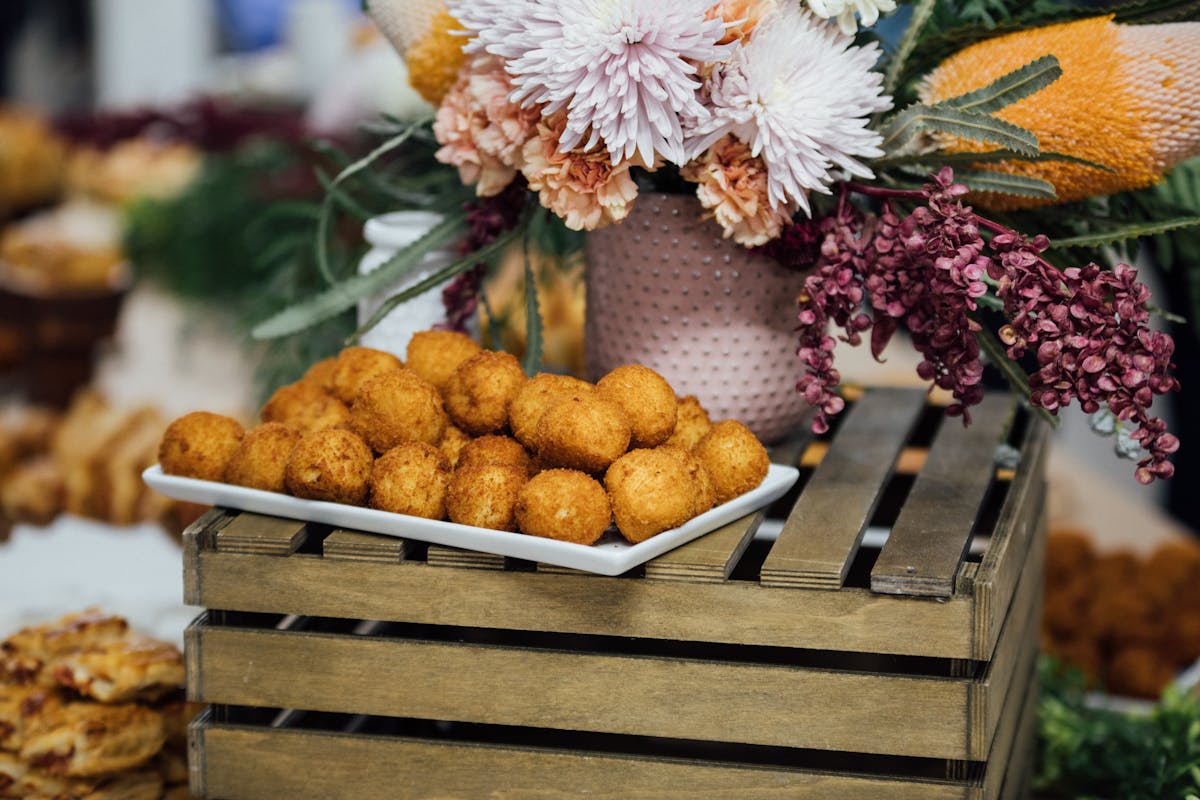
point(139, 167)
point(74, 248)
point(32, 158)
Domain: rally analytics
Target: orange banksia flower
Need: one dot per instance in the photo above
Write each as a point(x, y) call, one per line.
point(423, 33)
point(1128, 98)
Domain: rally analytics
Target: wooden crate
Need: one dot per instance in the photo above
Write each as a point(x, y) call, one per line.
point(807, 664)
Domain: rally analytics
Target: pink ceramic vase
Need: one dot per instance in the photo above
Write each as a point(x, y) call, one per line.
point(664, 289)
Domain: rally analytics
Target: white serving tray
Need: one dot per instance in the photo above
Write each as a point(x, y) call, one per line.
point(612, 555)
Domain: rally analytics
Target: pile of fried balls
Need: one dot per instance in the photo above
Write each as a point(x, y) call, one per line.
point(460, 433)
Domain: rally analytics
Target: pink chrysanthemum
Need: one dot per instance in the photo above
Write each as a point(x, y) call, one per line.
point(800, 94)
point(586, 189)
point(623, 71)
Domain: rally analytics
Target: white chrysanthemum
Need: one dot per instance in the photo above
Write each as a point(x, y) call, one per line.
point(800, 94)
point(843, 11)
point(623, 70)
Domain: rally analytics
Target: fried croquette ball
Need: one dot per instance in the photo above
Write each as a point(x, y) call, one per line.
point(411, 478)
point(651, 491)
point(705, 492)
point(199, 445)
point(305, 406)
point(434, 355)
point(735, 458)
point(691, 423)
point(495, 449)
point(648, 400)
point(1138, 671)
point(333, 465)
point(262, 457)
point(480, 391)
point(564, 504)
point(584, 431)
point(321, 373)
point(452, 443)
point(536, 396)
point(485, 495)
point(357, 365)
point(397, 407)
point(1068, 553)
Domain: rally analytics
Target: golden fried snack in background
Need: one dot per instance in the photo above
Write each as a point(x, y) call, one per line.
point(536, 396)
point(584, 431)
point(691, 423)
point(305, 406)
point(19, 780)
point(564, 504)
point(34, 493)
point(20, 706)
point(199, 445)
point(494, 449)
point(648, 400)
point(411, 478)
point(357, 365)
point(434, 355)
point(333, 465)
point(485, 495)
point(397, 407)
point(133, 668)
point(735, 459)
point(89, 739)
point(262, 456)
point(651, 491)
point(452, 443)
point(23, 654)
point(321, 373)
point(481, 390)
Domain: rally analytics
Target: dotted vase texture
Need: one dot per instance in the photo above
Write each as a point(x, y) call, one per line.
point(664, 289)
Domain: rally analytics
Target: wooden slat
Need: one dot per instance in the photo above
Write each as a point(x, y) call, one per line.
point(199, 537)
point(355, 546)
point(711, 558)
point(440, 556)
point(261, 535)
point(735, 612)
point(822, 534)
point(927, 543)
point(762, 704)
point(1019, 775)
point(1021, 517)
point(1015, 736)
point(252, 763)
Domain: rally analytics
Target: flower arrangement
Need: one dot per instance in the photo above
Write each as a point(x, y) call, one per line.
point(864, 165)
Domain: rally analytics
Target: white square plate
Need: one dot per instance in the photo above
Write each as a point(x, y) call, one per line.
point(612, 555)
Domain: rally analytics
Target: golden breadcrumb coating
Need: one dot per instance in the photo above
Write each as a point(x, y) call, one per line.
point(585, 432)
point(564, 504)
point(452, 443)
point(261, 459)
point(411, 478)
point(536, 396)
point(691, 423)
point(735, 458)
point(398, 407)
point(199, 445)
point(495, 449)
point(651, 491)
point(305, 406)
point(485, 495)
point(434, 355)
point(480, 391)
point(648, 400)
point(333, 465)
point(357, 365)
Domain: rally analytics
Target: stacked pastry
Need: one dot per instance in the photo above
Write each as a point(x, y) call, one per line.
point(458, 432)
point(90, 710)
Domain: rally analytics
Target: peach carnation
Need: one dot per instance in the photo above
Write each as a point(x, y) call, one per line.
point(732, 185)
point(584, 188)
point(481, 131)
point(740, 17)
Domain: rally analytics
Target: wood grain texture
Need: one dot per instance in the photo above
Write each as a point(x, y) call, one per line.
point(256, 534)
point(1021, 519)
point(735, 612)
point(244, 763)
point(822, 533)
point(711, 558)
point(644, 696)
point(440, 556)
point(927, 542)
point(1017, 730)
point(198, 537)
point(1019, 775)
point(355, 546)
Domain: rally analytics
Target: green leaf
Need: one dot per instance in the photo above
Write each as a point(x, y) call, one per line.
point(325, 221)
point(532, 362)
point(921, 13)
point(1004, 183)
point(967, 124)
point(485, 253)
point(1125, 232)
point(1008, 88)
point(340, 296)
point(942, 159)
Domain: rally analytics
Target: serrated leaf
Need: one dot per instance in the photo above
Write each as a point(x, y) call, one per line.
point(943, 159)
point(1008, 88)
point(340, 296)
point(1125, 232)
point(485, 253)
point(532, 362)
point(956, 122)
point(1004, 183)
